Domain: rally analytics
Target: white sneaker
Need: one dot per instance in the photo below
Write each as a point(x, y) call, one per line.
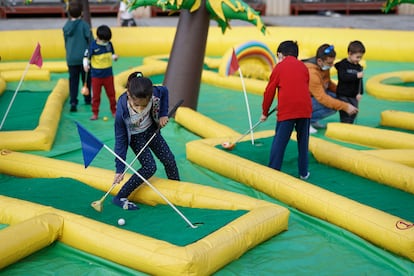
point(312, 130)
point(305, 177)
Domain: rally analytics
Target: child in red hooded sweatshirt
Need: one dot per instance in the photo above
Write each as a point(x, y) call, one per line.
point(290, 79)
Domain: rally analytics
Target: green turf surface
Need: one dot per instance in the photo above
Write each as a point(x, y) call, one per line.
point(310, 246)
point(159, 222)
point(365, 191)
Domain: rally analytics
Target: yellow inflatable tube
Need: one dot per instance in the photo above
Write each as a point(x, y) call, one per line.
point(2, 85)
point(19, 45)
point(16, 75)
point(51, 66)
point(397, 119)
point(254, 86)
point(377, 88)
point(203, 257)
point(369, 223)
point(202, 125)
point(26, 237)
point(42, 137)
point(402, 156)
point(370, 137)
point(154, 65)
point(365, 165)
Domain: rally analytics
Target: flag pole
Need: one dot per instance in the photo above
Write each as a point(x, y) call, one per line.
point(14, 95)
point(150, 185)
point(247, 105)
point(35, 59)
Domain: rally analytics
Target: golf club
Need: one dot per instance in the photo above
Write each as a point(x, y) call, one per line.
point(231, 145)
point(98, 204)
point(153, 188)
point(85, 89)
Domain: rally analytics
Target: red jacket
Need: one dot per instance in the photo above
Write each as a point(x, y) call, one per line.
point(291, 78)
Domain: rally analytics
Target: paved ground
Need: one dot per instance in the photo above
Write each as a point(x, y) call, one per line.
point(386, 22)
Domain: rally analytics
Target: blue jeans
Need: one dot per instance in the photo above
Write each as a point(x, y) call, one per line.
point(320, 111)
point(283, 132)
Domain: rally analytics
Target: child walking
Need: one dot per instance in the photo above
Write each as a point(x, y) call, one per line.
point(98, 59)
point(350, 74)
point(140, 111)
point(77, 36)
point(290, 78)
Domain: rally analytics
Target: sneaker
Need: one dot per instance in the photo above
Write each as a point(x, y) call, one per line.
point(318, 125)
point(312, 130)
point(124, 203)
point(73, 108)
point(94, 117)
point(305, 177)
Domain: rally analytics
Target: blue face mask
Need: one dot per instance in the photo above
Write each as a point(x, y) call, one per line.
point(325, 67)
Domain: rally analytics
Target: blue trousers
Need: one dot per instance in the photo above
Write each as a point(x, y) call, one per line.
point(148, 168)
point(320, 111)
point(284, 130)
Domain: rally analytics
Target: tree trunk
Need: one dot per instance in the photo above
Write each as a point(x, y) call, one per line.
point(86, 12)
point(185, 66)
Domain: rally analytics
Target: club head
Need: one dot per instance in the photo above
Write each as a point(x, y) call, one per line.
point(228, 145)
point(196, 224)
point(97, 205)
point(85, 91)
point(258, 144)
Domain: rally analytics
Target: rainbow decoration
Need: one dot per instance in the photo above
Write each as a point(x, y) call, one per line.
point(253, 56)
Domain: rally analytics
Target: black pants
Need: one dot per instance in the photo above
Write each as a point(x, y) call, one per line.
point(128, 22)
point(148, 168)
point(343, 116)
point(76, 73)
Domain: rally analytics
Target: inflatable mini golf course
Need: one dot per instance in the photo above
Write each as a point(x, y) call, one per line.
point(353, 216)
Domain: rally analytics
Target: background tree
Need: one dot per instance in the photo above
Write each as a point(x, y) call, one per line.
point(86, 14)
point(185, 65)
point(390, 4)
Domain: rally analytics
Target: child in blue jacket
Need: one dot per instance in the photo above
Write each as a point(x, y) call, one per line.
point(140, 111)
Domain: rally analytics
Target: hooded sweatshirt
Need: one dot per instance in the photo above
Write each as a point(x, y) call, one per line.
point(319, 82)
point(77, 35)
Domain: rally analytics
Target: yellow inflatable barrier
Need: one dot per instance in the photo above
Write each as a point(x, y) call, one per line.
point(203, 257)
point(51, 66)
point(371, 224)
point(2, 85)
point(362, 164)
point(370, 137)
point(189, 118)
point(154, 65)
point(397, 119)
point(376, 86)
point(402, 156)
point(42, 137)
point(20, 44)
point(24, 238)
point(39, 75)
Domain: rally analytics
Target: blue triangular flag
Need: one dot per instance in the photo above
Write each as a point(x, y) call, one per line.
point(90, 145)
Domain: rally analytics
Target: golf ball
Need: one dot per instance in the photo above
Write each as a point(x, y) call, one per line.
point(105, 118)
point(121, 221)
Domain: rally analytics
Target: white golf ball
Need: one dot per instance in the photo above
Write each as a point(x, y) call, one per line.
point(121, 221)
